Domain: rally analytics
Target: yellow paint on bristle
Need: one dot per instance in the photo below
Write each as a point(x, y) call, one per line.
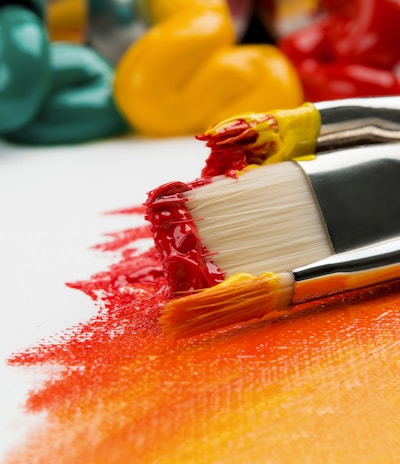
point(242, 278)
point(282, 134)
point(239, 298)
point(298, 129)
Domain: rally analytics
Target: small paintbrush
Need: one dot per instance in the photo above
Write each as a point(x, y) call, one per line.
point(276, 217)
point(282, 134)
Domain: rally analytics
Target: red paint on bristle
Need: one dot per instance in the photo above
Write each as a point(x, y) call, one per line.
point(186, 261)
point(235, 146)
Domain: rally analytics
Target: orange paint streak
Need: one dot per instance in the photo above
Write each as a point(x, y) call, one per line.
point(319, 385)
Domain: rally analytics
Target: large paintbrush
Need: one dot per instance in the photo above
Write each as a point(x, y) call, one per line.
point(270, 219)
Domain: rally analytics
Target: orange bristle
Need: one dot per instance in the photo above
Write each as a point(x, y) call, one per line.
point(238, 299)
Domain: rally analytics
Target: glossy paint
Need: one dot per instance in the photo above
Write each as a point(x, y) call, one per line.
point(80, 105)
point(24, 67)
point(318, 385)
point(186, 72)
point(51, 93)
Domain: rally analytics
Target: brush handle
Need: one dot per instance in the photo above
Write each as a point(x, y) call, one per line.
point(358, 121)
point(352, 270)
point(358, 194)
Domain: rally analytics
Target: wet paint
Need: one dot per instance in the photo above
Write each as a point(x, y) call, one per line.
point(319, 385)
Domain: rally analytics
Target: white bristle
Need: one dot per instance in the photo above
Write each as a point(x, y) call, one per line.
point(266, 220)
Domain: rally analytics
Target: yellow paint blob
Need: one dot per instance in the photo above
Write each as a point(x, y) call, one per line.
point(186, 72)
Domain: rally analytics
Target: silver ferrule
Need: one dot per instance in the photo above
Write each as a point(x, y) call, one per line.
point(356, 121)
point(352, 270)
point(358, 193)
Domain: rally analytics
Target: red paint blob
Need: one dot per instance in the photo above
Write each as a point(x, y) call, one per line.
point(187, 263)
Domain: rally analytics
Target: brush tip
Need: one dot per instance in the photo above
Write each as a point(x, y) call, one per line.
point(240, 298)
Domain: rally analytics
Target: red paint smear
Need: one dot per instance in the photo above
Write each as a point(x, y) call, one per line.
point(130, 294)
point(138, 209)
point(123, 238)
point(129, 394)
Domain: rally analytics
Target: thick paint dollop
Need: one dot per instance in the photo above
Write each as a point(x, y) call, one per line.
point(187, 262)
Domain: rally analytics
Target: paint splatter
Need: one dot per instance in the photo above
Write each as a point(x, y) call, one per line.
point(320, 384)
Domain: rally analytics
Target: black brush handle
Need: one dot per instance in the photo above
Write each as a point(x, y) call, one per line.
point(358, 121)
point(358, 192)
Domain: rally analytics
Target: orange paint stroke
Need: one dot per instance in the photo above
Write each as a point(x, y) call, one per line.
point(321, 384)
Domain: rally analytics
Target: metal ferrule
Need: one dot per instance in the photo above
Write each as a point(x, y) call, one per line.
point(358, 192)
point(359, 268)
point(355, 121)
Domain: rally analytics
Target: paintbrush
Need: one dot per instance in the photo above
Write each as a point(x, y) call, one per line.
point(276, 217)
point(278, 135)
point(244, 297)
